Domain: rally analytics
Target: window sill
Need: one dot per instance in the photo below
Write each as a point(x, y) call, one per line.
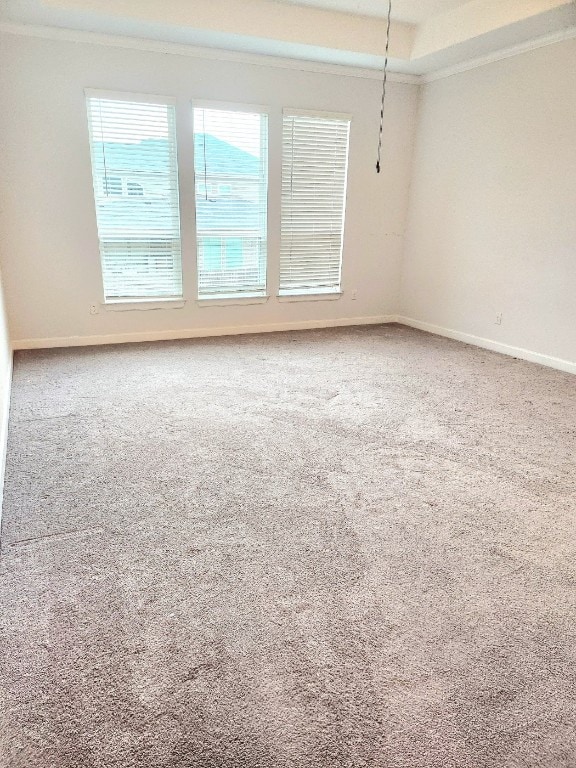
point(227, 300)
point(143, 304)
point(324, 296)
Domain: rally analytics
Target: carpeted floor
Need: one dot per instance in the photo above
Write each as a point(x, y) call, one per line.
point(349, 548)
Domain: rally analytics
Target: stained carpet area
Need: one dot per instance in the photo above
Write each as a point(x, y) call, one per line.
point(326, 549)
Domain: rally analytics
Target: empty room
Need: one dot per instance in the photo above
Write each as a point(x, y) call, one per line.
point(288, 383)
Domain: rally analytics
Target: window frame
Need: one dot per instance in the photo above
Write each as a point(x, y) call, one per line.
point(315, 293)
point(137, 302)
point(245, 297)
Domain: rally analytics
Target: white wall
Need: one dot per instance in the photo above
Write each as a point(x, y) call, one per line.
point(492, 223)
point(5, 352)
point(5, 383)
point(50, 256)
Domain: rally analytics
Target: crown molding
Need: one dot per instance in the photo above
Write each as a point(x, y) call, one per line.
point(179, 49)
point(506, 53)
point(264, 60)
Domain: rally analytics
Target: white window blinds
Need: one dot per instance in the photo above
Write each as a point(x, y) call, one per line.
point(135, 174)
point(314, 168)
point(231, 183)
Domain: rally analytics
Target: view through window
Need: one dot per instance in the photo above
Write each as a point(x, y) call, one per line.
point(231, 173)
point(135, 171)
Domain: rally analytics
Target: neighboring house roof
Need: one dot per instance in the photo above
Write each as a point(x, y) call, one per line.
point(153, 155)
point(222, 156)
point(147, 215)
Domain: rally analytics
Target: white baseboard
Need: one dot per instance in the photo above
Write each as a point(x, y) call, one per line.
point(195, 333)
point(4, 415)
point(494, 346)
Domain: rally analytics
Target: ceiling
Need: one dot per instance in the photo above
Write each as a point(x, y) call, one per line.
point(410, 11)
point(426, 35)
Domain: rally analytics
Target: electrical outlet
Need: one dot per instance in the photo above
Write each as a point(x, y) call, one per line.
point(93, 309)
point(354, 294)
point(498, 320)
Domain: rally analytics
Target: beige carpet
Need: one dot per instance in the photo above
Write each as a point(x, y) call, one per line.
point(344, 548)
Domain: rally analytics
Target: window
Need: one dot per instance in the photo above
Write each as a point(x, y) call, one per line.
point(112, 185)
point(134, 167)
point(231, 174)
point(314, 168)
point(135, 189)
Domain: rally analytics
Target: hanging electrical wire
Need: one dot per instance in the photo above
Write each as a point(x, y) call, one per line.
point(384, 80)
